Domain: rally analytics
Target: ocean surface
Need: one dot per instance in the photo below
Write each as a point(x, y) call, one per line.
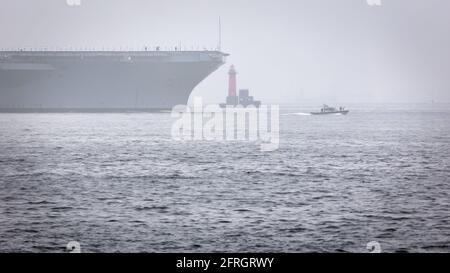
point(119, 183)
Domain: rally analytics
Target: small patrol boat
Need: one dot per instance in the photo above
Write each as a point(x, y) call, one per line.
point(327, 110)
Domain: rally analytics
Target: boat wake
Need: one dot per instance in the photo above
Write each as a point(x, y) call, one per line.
point(298, 114)
point(309, 114)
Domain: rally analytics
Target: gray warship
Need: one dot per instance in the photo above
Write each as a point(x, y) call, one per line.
point(101, 80)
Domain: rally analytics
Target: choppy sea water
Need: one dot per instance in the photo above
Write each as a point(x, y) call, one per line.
point(119, 183)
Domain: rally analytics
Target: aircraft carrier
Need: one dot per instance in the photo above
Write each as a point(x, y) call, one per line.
point(101, 80)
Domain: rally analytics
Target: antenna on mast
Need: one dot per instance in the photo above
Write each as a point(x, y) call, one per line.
point(220, 35)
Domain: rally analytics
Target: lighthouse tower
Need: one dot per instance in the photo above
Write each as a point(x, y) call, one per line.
point(232, 88)
point(232, 98)
point(244, 99)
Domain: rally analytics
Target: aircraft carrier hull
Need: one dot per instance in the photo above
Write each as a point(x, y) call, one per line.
point(85, 81)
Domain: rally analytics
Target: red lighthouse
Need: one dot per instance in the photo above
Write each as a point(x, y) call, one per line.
point(233, 99)
point(232, 89)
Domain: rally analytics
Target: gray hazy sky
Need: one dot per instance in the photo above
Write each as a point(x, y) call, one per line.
point(310, 51)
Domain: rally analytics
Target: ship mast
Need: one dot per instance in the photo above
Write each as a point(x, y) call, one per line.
point(220, 35)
